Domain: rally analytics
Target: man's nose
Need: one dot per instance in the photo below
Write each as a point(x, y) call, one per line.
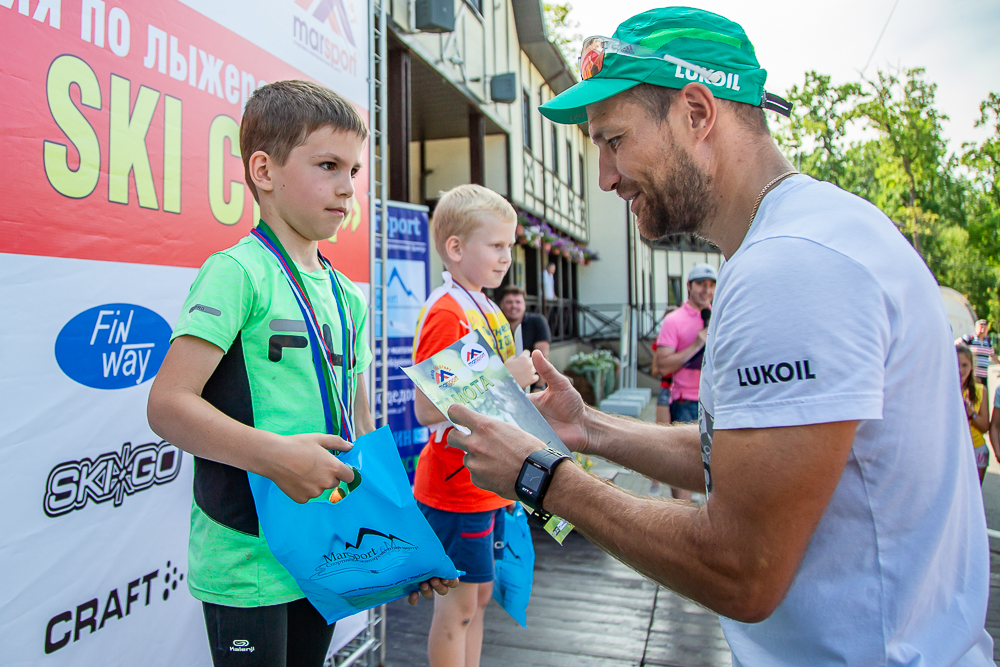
point(609, 176)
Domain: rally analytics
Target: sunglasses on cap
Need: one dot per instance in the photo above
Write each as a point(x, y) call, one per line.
point(591, 63)
point(594, 49)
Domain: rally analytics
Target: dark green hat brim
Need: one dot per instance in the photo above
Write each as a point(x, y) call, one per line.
point(570, 106)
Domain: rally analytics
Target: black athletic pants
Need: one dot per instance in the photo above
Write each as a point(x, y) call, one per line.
point(283, 635)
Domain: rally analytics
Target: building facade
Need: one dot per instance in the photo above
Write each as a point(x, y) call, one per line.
point(465, 79)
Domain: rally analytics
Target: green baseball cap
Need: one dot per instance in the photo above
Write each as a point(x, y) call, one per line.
point(672, 47)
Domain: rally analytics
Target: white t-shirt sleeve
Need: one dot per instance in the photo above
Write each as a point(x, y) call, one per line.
point(802, 335)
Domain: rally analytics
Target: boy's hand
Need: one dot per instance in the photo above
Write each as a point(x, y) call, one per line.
point(427, 589)
point(306, 468)
point(522, 369)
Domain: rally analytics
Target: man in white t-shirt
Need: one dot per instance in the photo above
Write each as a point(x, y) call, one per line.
point(844, 523)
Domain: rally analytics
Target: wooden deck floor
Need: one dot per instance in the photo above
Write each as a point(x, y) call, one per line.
point(587, 610)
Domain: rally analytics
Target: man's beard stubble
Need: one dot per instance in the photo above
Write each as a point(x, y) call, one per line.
point(680, 203)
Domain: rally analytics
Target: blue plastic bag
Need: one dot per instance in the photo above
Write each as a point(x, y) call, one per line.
point(515, 571)
point(371, 547)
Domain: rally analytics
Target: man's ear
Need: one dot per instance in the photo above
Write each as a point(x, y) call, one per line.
point(453, 248)
point(701, 110)
point(260, 171)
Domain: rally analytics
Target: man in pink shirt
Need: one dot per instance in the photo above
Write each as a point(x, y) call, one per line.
point(681, 343)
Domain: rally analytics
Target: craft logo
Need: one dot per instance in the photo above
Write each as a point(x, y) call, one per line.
point(91, 616)
point(475, 356)
point(326, 18)
point(111, 476)
point(113, 346)
point(444, 377)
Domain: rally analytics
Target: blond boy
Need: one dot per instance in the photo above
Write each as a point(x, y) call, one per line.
point(473, 234)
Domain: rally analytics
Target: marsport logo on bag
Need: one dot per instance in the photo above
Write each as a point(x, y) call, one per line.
point(113, 346)
point(475, 356)
point(382, 553)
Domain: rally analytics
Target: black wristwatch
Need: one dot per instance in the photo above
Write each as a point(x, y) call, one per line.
point(534, 479)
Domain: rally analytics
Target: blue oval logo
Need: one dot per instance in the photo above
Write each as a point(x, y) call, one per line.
point(113, 346)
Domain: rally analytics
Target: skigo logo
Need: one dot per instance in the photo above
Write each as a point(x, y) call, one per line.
point(111, 476)
point(113, 346)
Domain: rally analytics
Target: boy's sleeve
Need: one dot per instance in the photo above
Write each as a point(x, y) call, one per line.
point(219, 303)
point(440, 329)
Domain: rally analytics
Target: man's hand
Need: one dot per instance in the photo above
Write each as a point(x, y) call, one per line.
point(522, 369)
point(429, 587)
point(304, 467)
point(562, 406)
point(494, 450)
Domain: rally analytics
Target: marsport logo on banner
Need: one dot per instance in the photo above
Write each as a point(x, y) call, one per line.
point(113, 346)
point(326, 18)
point(90, 617)
point(111, 476)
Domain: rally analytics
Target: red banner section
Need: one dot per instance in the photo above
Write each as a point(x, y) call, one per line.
point(120, 135)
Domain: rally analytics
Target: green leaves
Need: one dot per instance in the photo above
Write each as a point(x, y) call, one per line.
point(882, 139)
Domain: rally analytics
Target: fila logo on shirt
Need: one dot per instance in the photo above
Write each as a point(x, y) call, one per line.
point(786, 371)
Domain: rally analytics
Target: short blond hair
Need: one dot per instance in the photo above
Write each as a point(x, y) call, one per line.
point(456, 213)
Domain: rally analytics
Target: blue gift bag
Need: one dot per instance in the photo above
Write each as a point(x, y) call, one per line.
point(370, 547)
point(516, 569)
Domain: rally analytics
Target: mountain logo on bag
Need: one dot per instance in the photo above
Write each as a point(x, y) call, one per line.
point(444, 377)
point(113, 346)
point(364, 532)
point(383, 552)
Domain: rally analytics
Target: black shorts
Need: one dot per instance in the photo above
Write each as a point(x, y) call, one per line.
point(293, 634)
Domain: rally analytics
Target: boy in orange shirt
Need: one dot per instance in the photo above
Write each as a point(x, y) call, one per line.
point(473, 233)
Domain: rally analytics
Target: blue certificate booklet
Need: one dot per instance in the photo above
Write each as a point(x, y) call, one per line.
point(469, 372)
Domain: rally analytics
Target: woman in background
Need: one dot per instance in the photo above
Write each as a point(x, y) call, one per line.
point(976, 408)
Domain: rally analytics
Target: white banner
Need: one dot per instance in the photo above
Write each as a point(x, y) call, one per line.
point(94, 533)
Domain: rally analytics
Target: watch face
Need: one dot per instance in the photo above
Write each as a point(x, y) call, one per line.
point(531, 478)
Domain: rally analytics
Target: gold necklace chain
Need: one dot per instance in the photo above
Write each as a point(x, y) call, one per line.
point(763, 193)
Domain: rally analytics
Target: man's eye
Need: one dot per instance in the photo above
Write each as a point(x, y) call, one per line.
point(613, 142)
point(328, 166)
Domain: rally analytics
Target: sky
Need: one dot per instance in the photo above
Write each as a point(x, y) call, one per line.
point(956, 41)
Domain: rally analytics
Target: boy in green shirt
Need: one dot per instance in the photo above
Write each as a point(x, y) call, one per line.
point(264, 373)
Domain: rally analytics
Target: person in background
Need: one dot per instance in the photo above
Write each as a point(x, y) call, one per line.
point(976, 408)
point(549, 282)
point(666, 380)
point(531, 330)
point(681, 343)
point(995, 425)
point(982, 346)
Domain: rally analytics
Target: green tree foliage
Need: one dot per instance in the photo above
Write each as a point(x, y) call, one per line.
point(560, 29)
point(882, 140)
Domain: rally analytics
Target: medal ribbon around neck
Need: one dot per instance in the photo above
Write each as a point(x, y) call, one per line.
point(496, 341)
point(322, 356)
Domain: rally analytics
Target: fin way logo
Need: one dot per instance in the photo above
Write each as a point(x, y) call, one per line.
point(113, 346)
